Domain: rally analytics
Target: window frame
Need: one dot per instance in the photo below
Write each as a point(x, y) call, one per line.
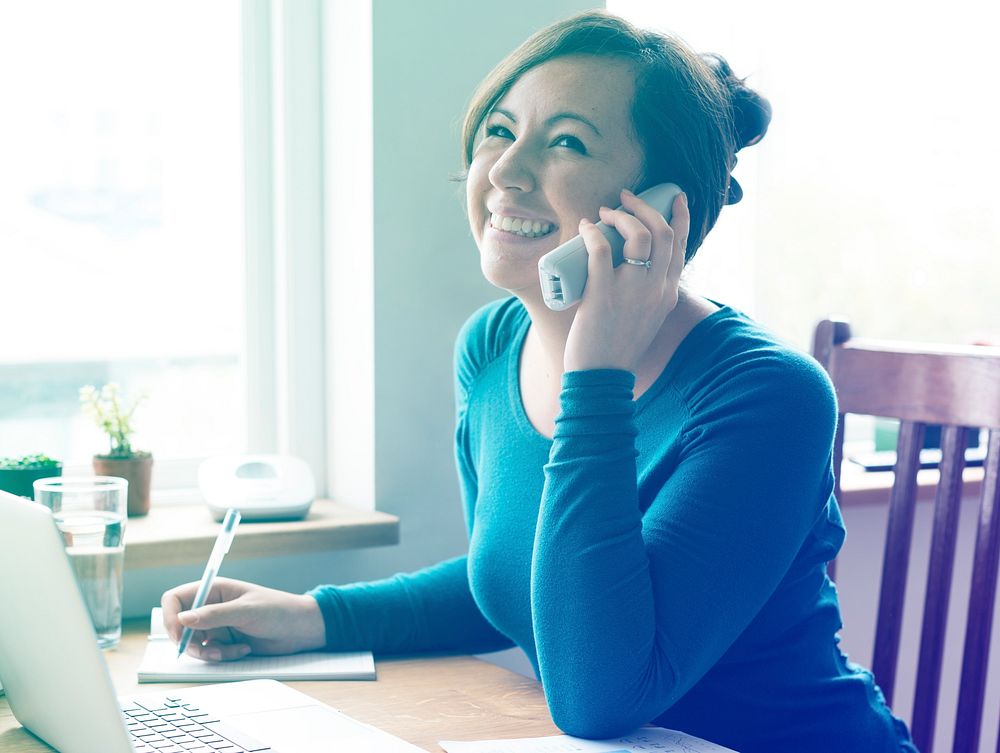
point(284, 342)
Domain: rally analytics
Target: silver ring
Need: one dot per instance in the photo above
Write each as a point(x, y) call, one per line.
point(647, 263)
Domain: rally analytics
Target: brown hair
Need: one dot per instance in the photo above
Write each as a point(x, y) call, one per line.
point(691, 114)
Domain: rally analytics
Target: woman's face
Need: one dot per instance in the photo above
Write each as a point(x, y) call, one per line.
point(557, 147)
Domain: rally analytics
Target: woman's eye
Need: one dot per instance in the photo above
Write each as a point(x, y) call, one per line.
point(571, 142)
point(499, 131)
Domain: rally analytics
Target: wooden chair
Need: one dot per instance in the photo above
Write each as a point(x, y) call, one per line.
point(923, 384)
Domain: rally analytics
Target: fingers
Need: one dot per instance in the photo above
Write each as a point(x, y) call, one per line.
point(173, 602)
point(640, 241)
point(599, 264)
point(217, 630)
point(211, 616)
point(681, 225)
point(672, 236)
point(218, 650)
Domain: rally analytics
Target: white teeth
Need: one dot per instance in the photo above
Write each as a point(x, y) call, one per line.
point(518, 226)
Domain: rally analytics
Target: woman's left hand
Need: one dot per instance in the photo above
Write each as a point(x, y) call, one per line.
point(623, 308)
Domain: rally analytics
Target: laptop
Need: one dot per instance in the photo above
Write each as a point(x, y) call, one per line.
point(59, 689)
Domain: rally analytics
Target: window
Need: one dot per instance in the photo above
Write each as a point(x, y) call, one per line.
point(873, 195)
point(121, 234)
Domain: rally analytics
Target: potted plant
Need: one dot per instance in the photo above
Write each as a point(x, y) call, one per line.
point(114, 417)
point(17, 475)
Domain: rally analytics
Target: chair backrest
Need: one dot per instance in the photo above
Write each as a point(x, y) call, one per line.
point(920, 384)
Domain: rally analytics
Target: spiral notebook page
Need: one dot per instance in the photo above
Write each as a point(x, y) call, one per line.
point(160, 663)
point(643, 739)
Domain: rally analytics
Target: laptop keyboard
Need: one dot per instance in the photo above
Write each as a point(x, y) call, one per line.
point(170, 725)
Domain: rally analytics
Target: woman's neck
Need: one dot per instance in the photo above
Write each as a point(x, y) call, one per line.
point(548, 334)
point(550, 329)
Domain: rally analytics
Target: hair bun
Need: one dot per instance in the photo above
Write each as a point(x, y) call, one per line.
point(751, 112)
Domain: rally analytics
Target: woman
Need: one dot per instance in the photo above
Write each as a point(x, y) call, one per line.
point(647, 475)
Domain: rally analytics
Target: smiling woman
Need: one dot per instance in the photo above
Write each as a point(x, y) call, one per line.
point(628, 526)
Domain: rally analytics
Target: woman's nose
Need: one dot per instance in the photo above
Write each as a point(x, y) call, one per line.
point(513, 170)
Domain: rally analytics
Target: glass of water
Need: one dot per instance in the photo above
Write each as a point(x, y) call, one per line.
point(90, 514)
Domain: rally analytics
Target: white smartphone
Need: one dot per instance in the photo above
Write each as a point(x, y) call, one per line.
point(563, 271)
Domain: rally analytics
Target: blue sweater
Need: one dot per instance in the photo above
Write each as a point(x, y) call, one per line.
point(660, 560)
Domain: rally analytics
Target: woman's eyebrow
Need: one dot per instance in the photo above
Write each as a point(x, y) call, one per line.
point(555, 118)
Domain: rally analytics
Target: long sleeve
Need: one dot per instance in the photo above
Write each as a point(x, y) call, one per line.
point(632, 607)
point(427, 610)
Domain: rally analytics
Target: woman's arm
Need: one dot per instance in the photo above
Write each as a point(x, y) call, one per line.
point(428, 610)
point(630, 610)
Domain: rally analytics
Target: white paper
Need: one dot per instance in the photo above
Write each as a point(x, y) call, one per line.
point(160, 663)
point(643, 740)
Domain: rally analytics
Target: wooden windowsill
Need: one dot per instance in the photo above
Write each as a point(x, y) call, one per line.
point(183, 534)
point(859, 487)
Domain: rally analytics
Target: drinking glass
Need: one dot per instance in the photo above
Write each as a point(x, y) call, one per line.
point(90, 514)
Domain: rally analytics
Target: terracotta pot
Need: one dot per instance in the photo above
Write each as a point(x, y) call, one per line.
point(137, 470)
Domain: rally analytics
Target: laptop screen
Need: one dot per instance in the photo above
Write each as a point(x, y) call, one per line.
point(54, 675)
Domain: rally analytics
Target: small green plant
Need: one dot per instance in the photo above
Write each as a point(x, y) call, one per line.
point(18, 474)
point(113, 416)
point(29, 463)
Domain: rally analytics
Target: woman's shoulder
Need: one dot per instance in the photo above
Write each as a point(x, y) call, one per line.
point(487, 334)
point(730, 356)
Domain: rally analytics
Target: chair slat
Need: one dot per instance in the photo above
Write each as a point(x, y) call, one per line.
point(897, 556)
point(939, 573)
point(968, 720)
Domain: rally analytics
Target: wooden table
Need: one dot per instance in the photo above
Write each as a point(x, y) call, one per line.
point(421, 700)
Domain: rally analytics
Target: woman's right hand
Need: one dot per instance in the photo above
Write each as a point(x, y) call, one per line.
point(240, 618)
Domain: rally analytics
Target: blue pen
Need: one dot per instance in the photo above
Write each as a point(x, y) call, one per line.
point(222, 544)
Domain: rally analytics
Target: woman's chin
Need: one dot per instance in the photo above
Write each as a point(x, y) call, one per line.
point(514, 267)
point(512, 280)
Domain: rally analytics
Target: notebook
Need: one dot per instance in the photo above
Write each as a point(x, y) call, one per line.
point(160, 663)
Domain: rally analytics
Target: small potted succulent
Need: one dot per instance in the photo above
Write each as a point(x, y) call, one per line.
point(114, 417)
point(18, 474)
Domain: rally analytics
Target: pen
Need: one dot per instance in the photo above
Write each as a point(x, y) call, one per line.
point(222, 544)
